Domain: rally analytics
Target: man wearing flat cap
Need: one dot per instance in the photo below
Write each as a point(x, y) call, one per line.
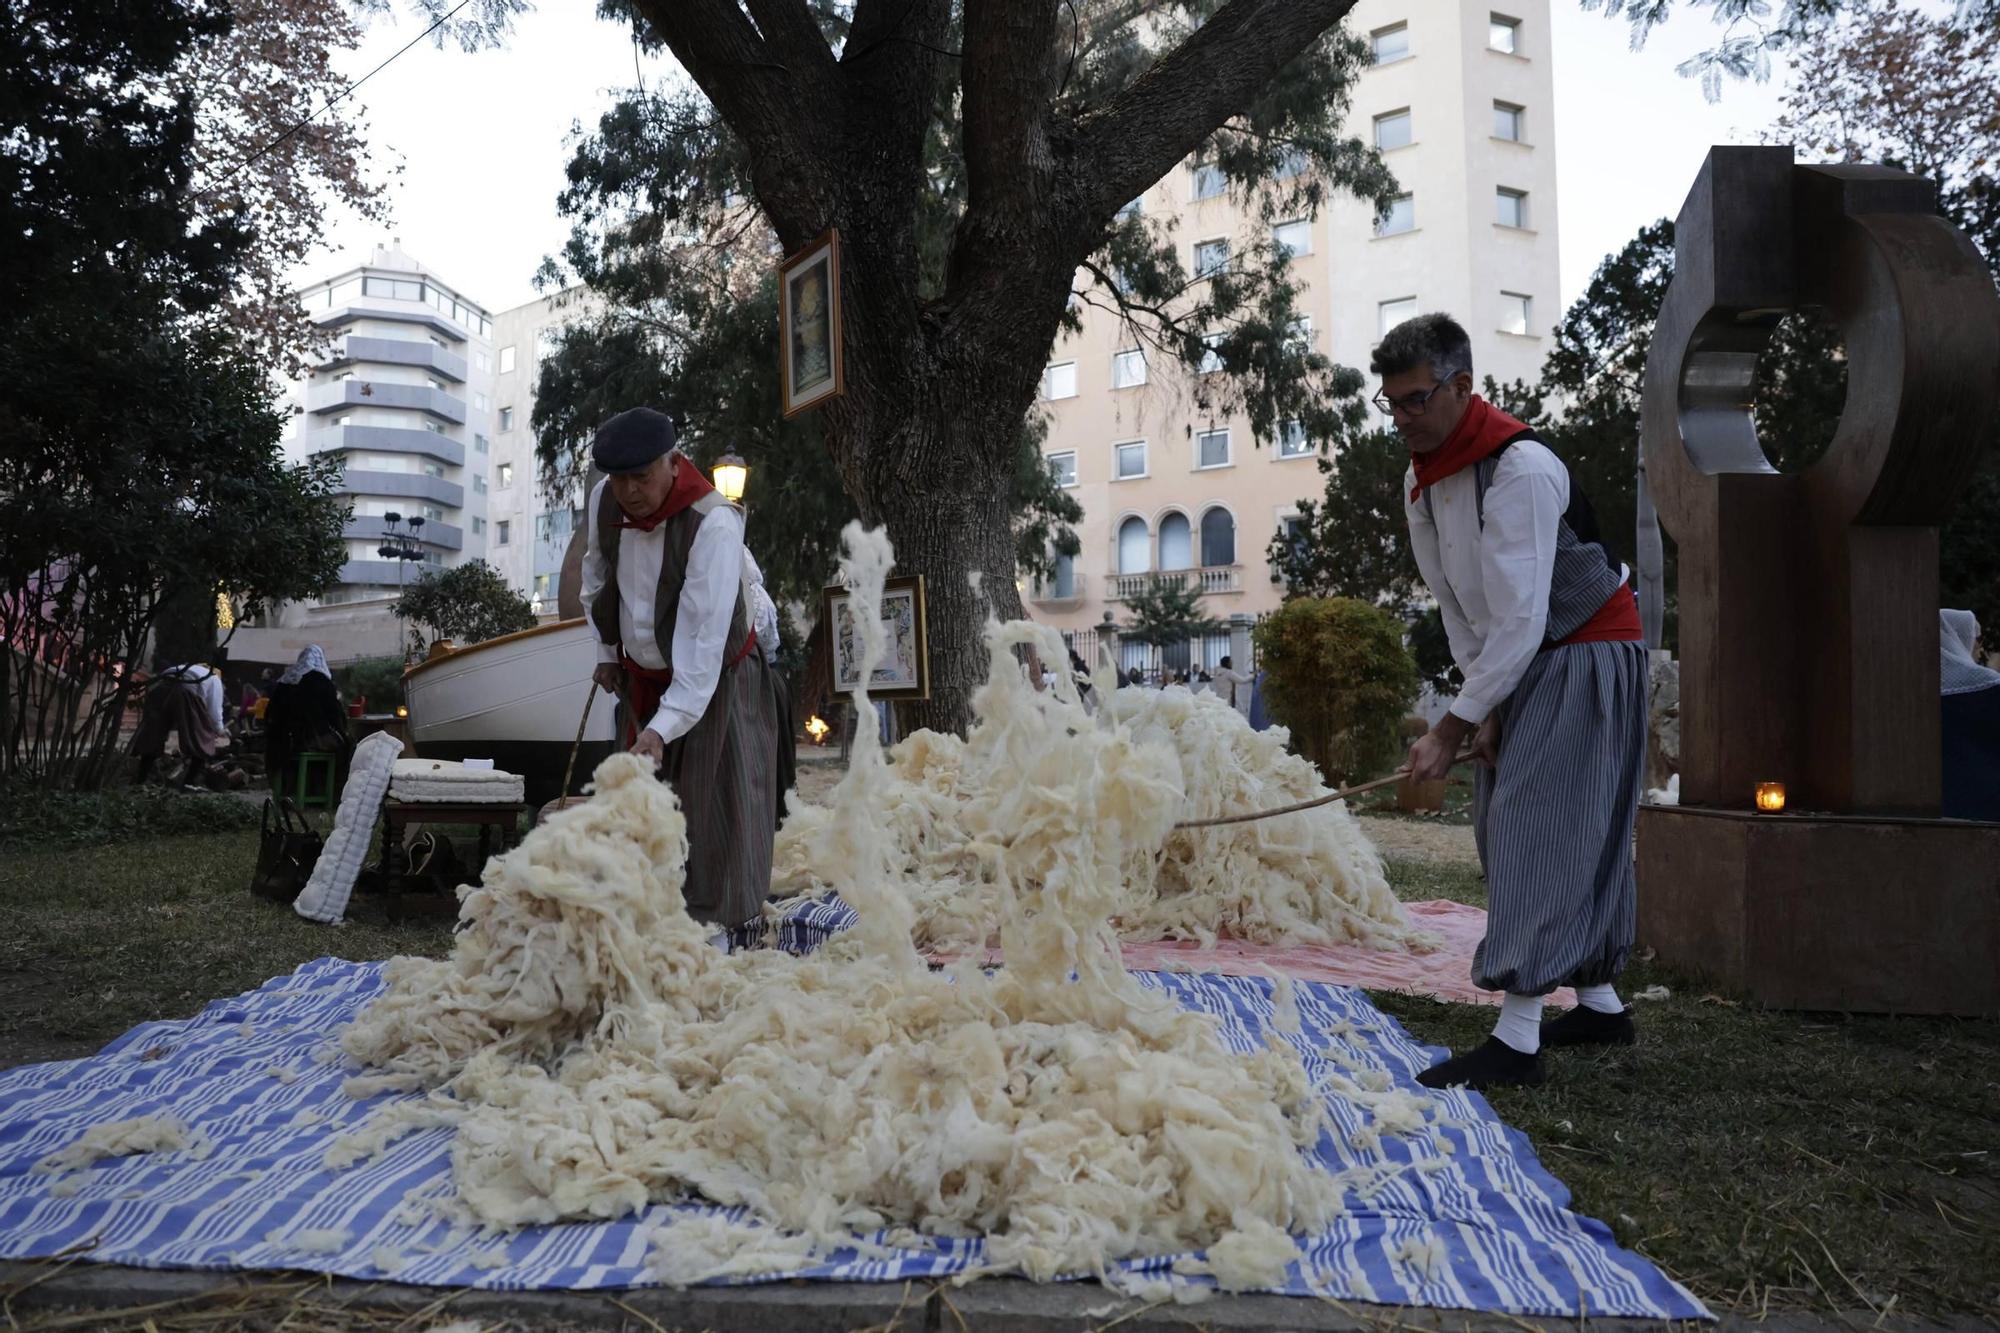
point(664, 583)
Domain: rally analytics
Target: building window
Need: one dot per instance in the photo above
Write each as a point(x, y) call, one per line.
point(479, 443)
point(507, 360)
point(1292, 441)
point(482, 362)
point(437, 384)
point(1211, 359)
point(545, 587)
point(1299, 335)
point(1291, 164)
point(503, 532)
point(1128, 369)
point(1131, 460)
point(1059, 380)
point(1208, 180)
point(481, 401)
point(1402, 216)
point(1211, 448)
point(343, 421)
point(1135, 546)
point(1391, 43)
point(504, 474)
point(1392, 129)
point(1514, 312)
point(1176, 543)
point(1510, 207)
point(478, 526)
point(1503, 34)
point(1508, 122)
point(395, 288)
point(1294, 238)
point(1062, 467)
point(506, 419)
point(479, 482)
point(434, 470)
point(1133, 209)
point(1391, 313)
point(1218, 538)
point(434, 428)
point(1210, 257)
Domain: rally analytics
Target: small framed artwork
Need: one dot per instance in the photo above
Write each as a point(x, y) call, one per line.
point(809, 336)
point(905, 669)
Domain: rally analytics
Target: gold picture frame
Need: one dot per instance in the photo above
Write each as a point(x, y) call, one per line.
point(906, 674)
point(811, 365)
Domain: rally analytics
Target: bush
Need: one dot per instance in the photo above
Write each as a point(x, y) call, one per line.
point(37, 816)
point(1339, 678)
point(379, 679)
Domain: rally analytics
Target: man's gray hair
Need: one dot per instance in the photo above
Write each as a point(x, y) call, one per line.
point(1436, 340)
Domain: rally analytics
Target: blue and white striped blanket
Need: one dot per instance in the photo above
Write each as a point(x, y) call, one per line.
point(242, 1075)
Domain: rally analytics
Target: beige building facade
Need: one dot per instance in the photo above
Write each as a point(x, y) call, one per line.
point(1460, 101)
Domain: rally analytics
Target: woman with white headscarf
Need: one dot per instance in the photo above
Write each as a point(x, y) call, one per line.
point(305, 715)
point(1971, 722)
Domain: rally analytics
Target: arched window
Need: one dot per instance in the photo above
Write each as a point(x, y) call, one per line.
point(1134, 546)
point(1063, 583)
point(1218, 538)
point(1176, 542)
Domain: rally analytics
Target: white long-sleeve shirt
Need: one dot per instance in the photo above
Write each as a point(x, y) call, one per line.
point(207, 684)
point(701, 624)
point(763, 611)
point(1492, 586)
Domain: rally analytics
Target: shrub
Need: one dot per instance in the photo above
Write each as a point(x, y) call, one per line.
point(39, 816)
point(1339, 678)
point(379, 679)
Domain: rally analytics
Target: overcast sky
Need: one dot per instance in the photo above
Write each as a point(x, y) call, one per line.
point(483, 138)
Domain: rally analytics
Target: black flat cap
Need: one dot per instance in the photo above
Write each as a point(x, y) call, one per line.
point(630, 441)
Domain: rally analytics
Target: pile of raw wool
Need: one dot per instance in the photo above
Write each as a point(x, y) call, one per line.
point(593, 1052)
point(1025, 777)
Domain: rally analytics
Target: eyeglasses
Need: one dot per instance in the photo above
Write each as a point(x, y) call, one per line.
point(1410, 404)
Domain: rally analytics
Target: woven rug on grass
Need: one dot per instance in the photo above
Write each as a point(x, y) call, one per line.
point(1482, 1228)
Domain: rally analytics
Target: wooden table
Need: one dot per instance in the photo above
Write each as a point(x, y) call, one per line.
point(403, 899)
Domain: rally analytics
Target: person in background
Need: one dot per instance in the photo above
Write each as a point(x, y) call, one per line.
point(1260, 716)
point(1080, 673)
point(184, 700)
point(1971, 704)
point(1228, 679)
point(305, 716)
point(764, 623)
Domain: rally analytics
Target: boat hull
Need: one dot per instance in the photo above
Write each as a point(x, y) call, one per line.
point(515, 700)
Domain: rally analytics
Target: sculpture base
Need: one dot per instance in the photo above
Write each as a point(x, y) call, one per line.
point(1826, 912)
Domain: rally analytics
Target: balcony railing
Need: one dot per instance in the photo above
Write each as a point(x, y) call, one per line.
point(427, 355)
point(348, 393)
point(1210, 580)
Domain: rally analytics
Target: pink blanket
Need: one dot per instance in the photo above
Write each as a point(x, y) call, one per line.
point(1445, 974)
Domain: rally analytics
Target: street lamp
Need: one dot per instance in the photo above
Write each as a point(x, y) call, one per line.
point(401, 546)
point(732, 474)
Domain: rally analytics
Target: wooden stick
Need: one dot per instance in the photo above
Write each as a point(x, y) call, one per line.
point(569, 769)
point(1316, 801)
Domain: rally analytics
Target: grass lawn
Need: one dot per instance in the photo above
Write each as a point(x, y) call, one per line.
point(1767, 1160)
point(1457, 802)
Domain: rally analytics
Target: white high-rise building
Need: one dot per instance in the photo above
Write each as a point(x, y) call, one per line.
point(404, 400)
point(1460, 102)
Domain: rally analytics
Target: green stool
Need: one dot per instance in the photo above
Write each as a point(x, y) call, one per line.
point(310, 762)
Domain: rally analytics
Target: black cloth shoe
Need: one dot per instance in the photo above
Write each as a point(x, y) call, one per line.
point(1492, 1065)
point(1583, 1026)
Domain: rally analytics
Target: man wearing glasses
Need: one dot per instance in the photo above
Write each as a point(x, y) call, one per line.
point(1546, 631)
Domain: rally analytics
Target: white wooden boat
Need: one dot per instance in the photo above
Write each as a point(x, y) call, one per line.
point(515, 700)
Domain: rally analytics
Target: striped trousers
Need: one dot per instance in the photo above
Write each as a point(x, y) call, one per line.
point(1554, 821)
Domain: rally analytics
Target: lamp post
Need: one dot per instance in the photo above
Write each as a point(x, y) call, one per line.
point(401, 546)
point(732, 475)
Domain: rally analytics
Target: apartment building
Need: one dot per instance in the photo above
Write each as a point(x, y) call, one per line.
point(1459, 100)
point(528, 535)
point(403, 399)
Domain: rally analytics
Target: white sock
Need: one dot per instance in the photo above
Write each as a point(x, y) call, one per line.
point(1520, 1024)
point(1604, 999)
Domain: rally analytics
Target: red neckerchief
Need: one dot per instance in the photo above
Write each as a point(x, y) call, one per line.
point(689, 486)
point(1478, 433)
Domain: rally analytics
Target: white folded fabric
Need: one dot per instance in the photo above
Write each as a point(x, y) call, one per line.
point(446, 780)
point(325, 895)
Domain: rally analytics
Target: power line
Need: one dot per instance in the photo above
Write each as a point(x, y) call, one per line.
point(336, 98)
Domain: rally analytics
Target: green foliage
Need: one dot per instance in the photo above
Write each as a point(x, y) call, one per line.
point(1430, 648)
point(468, 603)
point(35, 815)
point(379, 680)
point(1167, 610)
point(1339, 678)
point(1354, 540)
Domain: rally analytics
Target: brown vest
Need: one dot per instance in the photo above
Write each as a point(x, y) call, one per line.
point(679, 532)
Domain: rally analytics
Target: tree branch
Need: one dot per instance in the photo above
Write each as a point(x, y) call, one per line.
point(791, 32)
point(1166, 114)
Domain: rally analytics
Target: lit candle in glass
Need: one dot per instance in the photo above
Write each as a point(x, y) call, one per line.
point(1770, 797)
